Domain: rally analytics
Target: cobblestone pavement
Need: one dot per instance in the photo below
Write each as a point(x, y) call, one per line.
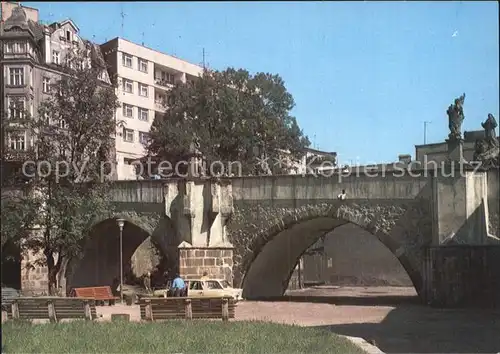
point(401, 327)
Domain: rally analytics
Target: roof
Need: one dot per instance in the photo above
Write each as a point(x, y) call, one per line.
point(116, 39)
point(474, 135)
point(18, 25)
point(319, 152)
point(71, 23)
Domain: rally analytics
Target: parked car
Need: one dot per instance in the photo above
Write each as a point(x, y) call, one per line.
point(206, 288)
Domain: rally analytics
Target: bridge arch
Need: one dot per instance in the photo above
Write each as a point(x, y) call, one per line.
point(100, 261)
point(266, 253)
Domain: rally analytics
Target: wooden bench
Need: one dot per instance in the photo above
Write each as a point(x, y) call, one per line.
point(8, 295)
point(187, 308)
point(98, 293)
point(52, 308)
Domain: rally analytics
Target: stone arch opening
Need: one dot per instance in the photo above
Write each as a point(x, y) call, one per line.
point(351, 256)
point(11, 265)
point(147, 246)
point(266, 273)
point(100, 262)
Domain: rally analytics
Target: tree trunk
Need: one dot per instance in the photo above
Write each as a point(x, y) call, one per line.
point(53, 269)
point(61, 276)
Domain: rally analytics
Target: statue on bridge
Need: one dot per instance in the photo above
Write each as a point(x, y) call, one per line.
point(455, 118)
point(487, 149)
point(489, 127)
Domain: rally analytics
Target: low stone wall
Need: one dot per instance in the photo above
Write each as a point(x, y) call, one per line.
point(459, 276)
point(218, 262)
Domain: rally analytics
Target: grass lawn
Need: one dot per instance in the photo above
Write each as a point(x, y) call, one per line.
point(169, 337)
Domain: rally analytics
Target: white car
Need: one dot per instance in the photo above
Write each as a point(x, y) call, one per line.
point(213, 287)
point(208, 288)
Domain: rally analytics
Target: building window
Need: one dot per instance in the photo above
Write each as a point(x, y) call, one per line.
point(128, 135)
point(170, 78)
point(46, 85)
point(128, 111)
point(143, 65)
point(17, 141)
point(128, 86)
point(143, 114)
point(143, 138)
point(68, 36)
point(62, 124)
point(16, 76)
point(16, 47)
point(143, 90)
point(127, 60)
point(56, 57)
point(17, 107)
point(170, 100)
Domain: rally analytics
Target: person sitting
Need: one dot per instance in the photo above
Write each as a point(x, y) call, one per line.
point(178, 286)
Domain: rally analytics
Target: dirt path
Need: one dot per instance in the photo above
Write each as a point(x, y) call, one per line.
point(400, 327)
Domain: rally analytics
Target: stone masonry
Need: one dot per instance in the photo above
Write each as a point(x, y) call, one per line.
point(218, 262)
point(34, 277)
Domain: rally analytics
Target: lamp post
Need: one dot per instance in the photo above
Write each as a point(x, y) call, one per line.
point(425, 131)
point(121, 223)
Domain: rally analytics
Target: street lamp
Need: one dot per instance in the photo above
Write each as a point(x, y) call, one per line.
point(121, 223)
point(425, 131)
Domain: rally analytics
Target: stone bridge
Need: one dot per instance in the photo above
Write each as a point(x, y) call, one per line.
point(252, 230)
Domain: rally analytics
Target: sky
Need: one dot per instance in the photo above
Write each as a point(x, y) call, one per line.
point(364, 75)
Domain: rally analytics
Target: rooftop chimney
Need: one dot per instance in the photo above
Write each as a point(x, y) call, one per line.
point(405, 158)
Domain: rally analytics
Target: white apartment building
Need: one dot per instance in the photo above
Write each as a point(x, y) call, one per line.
point(144, 77)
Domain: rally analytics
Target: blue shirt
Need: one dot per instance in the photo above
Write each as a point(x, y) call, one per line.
point(178, 283)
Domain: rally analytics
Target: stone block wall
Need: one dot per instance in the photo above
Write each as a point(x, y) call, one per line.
point(34, 278)
point(462, 276)
point(218, 262)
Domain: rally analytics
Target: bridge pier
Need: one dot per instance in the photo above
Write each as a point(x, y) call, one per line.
point(460, 204)
point(461, 265)
point(207, 206)
point(216, 261)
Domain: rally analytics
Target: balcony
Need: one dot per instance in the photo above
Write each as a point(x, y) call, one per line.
point(160, 104)
point(168, 84)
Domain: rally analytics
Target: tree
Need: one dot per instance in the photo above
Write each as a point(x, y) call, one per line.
point(18, 214)
point(72, 136)
point(229, 116)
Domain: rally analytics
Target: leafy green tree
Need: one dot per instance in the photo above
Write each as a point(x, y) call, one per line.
point(229, 116)
point(67, 165)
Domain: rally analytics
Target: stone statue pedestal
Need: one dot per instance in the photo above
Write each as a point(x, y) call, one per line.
point(455, 150)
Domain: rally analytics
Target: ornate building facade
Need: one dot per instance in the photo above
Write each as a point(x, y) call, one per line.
point(32, 57)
